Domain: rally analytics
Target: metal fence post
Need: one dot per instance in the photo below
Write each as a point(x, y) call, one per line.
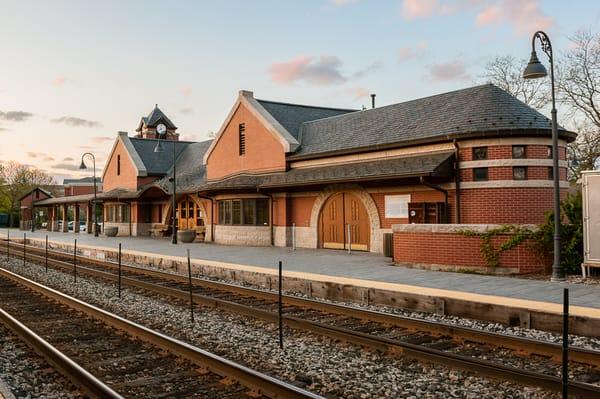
point(190, 284)
point(565, 345)
point(24, 247)
point(280, 307)
point(119, 270)
point(46, 253)
point(8, 244)
point(75, 261)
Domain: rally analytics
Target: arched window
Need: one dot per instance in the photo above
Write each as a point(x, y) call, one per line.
point(118, 165)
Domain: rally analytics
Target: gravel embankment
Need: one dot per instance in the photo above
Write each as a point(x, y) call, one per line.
point(318, 364)
point(28, 375)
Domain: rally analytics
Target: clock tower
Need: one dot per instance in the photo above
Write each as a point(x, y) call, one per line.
point(157, 126)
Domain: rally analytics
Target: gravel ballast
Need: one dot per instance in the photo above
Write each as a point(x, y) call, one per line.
point(314, 362)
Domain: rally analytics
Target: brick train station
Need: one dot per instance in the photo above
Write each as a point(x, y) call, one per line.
point(401, 179)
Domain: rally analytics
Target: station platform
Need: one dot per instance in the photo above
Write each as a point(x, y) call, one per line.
point(354, 273)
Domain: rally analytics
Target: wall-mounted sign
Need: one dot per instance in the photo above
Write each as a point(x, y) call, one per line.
point(396, 206)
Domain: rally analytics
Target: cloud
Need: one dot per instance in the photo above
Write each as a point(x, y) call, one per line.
point(370, 68)
point(451, 70)
point(101, 139)
point(49, 159)
point(67, 159)
point(76, 122)
point(322, 70)
point(524, 16)
point(66, 166)
point(186, 111)
point(186, 91)
point(415, 9)
point(32, 154)
point(59, 81)
point(343, 2)
point(15, 116)
point(407, 53)
point(358, 92)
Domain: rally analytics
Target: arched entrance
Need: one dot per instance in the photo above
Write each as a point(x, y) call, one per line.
point(189, 214)
point(340, 211)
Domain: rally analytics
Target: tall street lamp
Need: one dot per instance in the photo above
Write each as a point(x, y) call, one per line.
point(534, 70)
point(162, 130)
point(82, 166)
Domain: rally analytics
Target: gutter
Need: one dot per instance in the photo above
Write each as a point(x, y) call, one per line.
point(457, 180)
point(438, 188)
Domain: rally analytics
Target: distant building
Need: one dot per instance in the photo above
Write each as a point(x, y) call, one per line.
point(81, 186)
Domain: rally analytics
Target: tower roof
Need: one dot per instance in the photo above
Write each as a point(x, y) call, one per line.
point(155, 117)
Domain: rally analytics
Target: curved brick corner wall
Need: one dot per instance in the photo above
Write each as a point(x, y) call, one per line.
point(442, 247)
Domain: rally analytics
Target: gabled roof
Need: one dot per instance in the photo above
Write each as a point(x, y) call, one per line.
point(474, 111)
point(291, 116)
point(48, 193)
point(157, 163)
point(191, 171)
point(155, 117)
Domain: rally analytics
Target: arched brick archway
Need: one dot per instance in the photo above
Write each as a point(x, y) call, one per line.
point(167, 211)
point(366, 200)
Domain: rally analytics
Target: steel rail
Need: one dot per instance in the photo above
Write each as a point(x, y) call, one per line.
point(458, 333)
point(79, 376)
point(258, 382)
point(422, 353)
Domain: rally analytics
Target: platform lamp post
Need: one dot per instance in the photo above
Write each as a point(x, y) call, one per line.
point(82, 166)
point(162, 130)
point(534, 70)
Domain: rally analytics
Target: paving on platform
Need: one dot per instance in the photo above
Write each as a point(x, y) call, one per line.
point(357, 268)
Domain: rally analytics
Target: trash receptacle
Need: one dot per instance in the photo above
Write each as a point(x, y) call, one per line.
point(388, 247)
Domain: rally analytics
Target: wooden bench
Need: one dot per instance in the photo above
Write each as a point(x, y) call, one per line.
point(159, 230)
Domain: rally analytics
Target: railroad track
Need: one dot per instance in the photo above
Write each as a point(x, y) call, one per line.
point(440, 343)
point(110, 357)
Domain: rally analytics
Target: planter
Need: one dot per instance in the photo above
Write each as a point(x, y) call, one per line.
point(186, 236)
point(111, 231)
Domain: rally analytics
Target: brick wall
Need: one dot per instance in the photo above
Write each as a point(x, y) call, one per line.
point(447, 248)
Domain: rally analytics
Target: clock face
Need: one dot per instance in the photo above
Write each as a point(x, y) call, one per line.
point(161, 129)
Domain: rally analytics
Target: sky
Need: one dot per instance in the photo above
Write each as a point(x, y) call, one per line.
point(74, 73)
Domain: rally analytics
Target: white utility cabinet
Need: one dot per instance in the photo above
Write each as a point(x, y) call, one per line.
point(591, 220)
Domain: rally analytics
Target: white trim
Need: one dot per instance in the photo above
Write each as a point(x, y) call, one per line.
point(509, 141)
point(246, 98)
point(368, 156)
point(133, 155)
point(510, 162)
point(511, 184)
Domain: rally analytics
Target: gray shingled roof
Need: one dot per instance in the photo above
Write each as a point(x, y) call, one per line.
point(156, 116)
point(191, 173)
point(291, 116)
point(161, 162)
point(397, 168)
point(82, 180)
point(485, 109)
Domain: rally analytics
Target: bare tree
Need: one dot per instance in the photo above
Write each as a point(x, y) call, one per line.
point(16, 181)
point(506, 73)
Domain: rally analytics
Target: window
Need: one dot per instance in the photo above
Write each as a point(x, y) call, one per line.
point(118, 165)
point(117, 213)
point(518, 151)
point(549, 153)
point(480, 174)
point(550, 173)
point(480, 153)
point(250, 212)
point(520, 173)
point(242, 134)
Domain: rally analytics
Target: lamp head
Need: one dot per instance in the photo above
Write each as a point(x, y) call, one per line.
point(534, 69)
point(159, 147)
point(82, 166)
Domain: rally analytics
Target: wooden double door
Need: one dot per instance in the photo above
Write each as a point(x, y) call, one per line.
point(189, 214)
point(344, 223)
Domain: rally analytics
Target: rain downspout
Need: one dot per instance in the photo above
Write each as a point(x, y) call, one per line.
point(457, 179)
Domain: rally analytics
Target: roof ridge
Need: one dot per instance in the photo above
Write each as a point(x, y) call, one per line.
point(407, 102)
point(308, 106)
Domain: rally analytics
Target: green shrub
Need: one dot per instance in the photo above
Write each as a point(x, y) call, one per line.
point(571, 234)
